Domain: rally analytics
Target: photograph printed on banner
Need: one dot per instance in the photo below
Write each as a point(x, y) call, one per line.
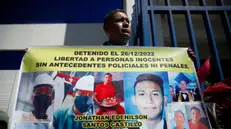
point(145, 94)
point(35, 98)
point(177, 116)
point(197, 118)
point(54, 97)
point(183, 87)
point(109, 93)
point(77, 100)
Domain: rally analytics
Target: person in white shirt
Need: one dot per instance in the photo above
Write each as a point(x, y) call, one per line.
point(149, 99)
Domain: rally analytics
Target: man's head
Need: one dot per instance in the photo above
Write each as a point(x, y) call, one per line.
point(117, 27)
point(83, 91)
point(43, 95)
point(179, 118)
point(107, 78)
point(149, 95)
point(195, 114)
point(83, 100)
point(183, 85)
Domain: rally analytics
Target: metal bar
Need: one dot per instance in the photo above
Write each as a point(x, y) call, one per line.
point(202, 3)
point(139, 27)
point(146, 37)
point(211, 39)
point(185, 2)
point(167, 3)
point(227, 27)
point(226, 23)
point(191, 8)
point(133, 25)
point(192, 37)
point(191, 33)
point(153, 24)
point(138, 22)
point(172, 29)
point(212, 42)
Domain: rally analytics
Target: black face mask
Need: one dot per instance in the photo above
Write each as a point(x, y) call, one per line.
point(41, 103)
point(83, 103)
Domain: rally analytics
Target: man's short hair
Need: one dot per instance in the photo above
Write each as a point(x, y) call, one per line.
point(110, 17)
point(109, 74)
point(179, 112)
point(195, 108)
point(151, 78)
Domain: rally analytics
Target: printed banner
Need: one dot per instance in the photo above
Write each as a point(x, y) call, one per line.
point(107, 88)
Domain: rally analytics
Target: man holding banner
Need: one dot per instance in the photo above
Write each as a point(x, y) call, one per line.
point(118, 29)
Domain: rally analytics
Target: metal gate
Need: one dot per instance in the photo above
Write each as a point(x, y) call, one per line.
point(143, 22)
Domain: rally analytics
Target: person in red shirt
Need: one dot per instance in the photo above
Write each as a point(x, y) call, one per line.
point(195, 122)
point(103, 91)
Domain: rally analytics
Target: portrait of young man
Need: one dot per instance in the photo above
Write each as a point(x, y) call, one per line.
point(107, 97)
point(197, 118)
point(148, 98)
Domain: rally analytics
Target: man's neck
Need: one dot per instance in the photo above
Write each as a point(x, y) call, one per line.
point(106, 83)
point(76, 111)
point(184, 91)
point(118, 43)
point(194, 122)
point(179, 126)
point(151, 124)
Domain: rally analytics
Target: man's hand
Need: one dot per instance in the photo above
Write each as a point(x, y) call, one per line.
point(191, 54)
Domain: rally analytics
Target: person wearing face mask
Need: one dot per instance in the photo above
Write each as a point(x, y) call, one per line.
point(118, 30)
point(42, 99)
point(83, 105)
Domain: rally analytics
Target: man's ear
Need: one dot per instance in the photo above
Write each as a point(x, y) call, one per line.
point(133, 98)
point(105, 28)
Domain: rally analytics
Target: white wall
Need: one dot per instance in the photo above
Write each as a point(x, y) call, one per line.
point(21, 36)
point(8, 83)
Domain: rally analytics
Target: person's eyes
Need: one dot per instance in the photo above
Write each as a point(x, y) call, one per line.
point(155, 94)
point(127, 21)
point(141, 94)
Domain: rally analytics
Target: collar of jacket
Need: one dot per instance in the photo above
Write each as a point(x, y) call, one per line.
point(108, 43)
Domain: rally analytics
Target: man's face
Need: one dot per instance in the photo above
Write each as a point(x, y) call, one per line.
point(42, 99)
point(83, 100)
point(195, 114)
point(83, 93)
point(107, 79)
point(120, 28)
point(183, 86)
point(149, 99)
point(179, 118)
